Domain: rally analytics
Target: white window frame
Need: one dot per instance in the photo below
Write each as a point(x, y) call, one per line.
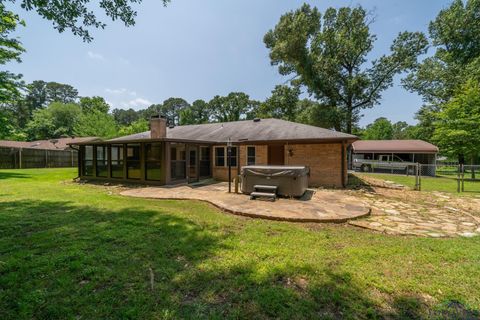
point(246, 155)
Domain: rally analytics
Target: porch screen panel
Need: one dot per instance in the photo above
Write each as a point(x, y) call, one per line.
point(178, 161)
point(102, 170)
point(88, 161)
point(205, 162)
point(133, 161)
point(117, 161)
point(153, 161)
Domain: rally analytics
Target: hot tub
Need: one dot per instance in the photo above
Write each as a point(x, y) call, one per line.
point(292, 181)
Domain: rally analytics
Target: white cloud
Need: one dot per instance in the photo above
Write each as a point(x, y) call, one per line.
point(121, 91)
point(139, 103)
point(95, 56)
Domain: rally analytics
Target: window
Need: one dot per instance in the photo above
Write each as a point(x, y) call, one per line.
point(153, 161)
point(102, 170)
point(88, 161)
point(250, 155)
point(133, 161)
point(116, 164)
point(178, 161)
point(221, 155)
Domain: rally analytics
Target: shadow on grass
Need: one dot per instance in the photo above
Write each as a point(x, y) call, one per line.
point(60, 260)
point(13, 175)
point(356, 183)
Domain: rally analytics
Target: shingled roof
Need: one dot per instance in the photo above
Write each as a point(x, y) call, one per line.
point(52, 144)
point(395, 146)
point(246, 130)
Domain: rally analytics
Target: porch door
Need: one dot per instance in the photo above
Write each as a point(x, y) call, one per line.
point(192, 163)
point(276, 155)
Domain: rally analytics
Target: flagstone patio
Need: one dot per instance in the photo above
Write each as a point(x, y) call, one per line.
point(319, 206)
point(388, 210)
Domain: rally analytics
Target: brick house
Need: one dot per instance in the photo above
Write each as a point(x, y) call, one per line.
point(185, 154)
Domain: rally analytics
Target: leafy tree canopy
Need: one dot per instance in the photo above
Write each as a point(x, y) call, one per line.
point(94, 104)
point(318, 114)
point(58, 119)
point(172, 108)
point(138, 126)
point(10, 50)
point(79, 16)
point(457, 130)
point(329, 56)
point(380, 129)
point(197, 113)
point(126, 117)
point(282, 104)
point(95, 123)
point(233, 107)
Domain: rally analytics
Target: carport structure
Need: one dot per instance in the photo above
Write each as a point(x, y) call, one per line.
point(417, 151)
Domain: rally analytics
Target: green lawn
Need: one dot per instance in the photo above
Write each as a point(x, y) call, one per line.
point(83, 252)
point(444, 184)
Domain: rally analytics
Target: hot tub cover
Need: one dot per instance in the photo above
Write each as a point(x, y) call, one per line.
point(272, 171)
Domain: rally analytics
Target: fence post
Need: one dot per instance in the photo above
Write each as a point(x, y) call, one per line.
point(458, 178)
point(71, 156)
point(419, 176)
point(20, 158)
point(463, 178)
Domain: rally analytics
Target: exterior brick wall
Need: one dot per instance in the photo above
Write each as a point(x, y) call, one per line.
point(324, 161)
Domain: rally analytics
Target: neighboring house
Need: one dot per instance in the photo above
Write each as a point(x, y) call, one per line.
point(194, 152)
point(51, 153)
point(417, 151)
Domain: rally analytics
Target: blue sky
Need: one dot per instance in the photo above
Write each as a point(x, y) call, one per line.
point(198, 49)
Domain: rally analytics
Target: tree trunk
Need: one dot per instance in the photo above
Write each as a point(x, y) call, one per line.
point(349, 118)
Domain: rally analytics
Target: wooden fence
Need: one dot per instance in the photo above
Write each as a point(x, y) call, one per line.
point(23, 158)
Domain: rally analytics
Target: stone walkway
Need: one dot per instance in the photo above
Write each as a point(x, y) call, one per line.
point(407, 212)
point(393, 210)
point(323, 206)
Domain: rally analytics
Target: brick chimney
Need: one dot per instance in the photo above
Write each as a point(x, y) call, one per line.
point(158, 127)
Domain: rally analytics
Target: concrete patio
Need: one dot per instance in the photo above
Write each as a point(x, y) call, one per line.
point(315, 206)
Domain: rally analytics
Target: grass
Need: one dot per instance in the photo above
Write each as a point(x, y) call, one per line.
point(76, 251)
point(441, 183)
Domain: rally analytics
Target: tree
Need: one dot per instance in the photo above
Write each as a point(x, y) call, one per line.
point(319, 115)
point(95, 123)
point(233, 107)
point(282, 104)
point(138, 126)
point(10, 50)
point(172, 107)
point(328, 57)
point(457, 131)
point(57, 120)
point(93, 104)
point(79, 17)
point(59, 92)
point(455, 36)
point(125, 117)
point(380, 129)
point(197, 113)
point(402, 131)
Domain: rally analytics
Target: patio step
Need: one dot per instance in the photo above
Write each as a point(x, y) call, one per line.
point(270, 189)
point(256, 194)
